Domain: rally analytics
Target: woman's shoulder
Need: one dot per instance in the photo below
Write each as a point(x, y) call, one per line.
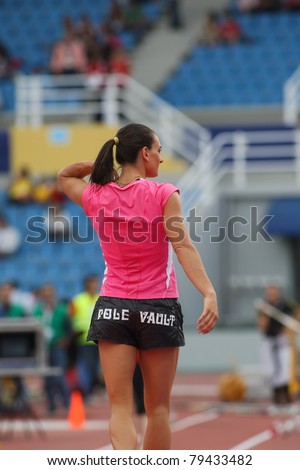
point(159, 186)
point(92, 189)
point(90, 196)
point(161, 191)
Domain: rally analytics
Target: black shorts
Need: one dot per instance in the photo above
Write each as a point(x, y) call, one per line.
point(144, 324)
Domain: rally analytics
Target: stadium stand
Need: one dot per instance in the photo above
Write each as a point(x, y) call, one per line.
point(30, 29)
point(33, 264)
point(248, 73)
point(28, 32)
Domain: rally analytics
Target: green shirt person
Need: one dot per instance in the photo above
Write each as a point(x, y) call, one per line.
point(57, 331)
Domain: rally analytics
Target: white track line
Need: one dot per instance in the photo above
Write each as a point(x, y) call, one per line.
point(107, 447)
point(194, 390)
point(193, 420)
point(278, 428)
point(254, 440)
point(185, 423)
point(51, 425)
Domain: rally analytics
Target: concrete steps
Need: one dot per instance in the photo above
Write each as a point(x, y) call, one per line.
point(164, 47)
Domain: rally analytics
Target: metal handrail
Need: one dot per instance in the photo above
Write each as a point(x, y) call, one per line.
point(42, 96)
point(240, 154)
point(291, 92)
point(115, 95)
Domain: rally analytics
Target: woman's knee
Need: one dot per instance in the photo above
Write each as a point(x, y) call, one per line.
point(118, 397)
point(157, 410)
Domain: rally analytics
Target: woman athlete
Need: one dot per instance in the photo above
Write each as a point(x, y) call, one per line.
point(138, 222)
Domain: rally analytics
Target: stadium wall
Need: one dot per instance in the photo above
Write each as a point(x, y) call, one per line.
point(48, 148)
point(239, 268)
point(220, 351)
point(4, 151)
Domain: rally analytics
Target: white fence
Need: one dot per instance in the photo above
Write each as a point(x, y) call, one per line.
point(292, 99)
point(45, 97)
point(112, 98)
point(241, 154)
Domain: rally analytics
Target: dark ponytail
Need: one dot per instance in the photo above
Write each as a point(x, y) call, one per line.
point(103, 170)
point(129, 140)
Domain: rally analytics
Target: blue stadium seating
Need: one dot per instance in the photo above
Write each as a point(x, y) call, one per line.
point(30, 28)
point(7, 95)
point(63, 264)
point(251, 73)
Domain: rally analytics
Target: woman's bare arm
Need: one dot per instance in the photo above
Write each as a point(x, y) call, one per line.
point(71, 180)
point(190, 260)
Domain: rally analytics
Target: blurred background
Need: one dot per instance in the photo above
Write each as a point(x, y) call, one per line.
point(219, 83)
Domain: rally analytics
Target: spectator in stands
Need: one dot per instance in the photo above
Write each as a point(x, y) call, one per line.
point(46, 191)
point(68, 55)
point(41, 191)
point(25, 298)
point(9, 309)
point(56, 194)
point(230, 30)
point(120, 64)
point(135, 20)
point(84, 28)
point(5, 63)
point(81, 309)
point(269, 5)
point(292, 4)
point(20, 189)
point(276, 346)
point(247, 6)
point(96, 63)
point(108, 41)
point(86, 33)
point(68, 23)
point(57, 222)
point(96, 77)
point(10, 238)
point(116, 17)
point(58, 332)
point(175, 13)
point(210, 34)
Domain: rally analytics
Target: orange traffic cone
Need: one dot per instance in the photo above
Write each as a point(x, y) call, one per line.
point(76, 416)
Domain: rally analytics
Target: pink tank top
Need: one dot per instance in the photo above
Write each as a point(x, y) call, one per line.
point(129, 224)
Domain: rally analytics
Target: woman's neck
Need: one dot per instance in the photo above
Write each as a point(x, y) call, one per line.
point(130, 174)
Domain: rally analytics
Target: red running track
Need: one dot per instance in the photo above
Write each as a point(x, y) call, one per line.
point(199, 422)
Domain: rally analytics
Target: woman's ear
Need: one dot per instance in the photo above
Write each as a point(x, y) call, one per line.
point(145, 154)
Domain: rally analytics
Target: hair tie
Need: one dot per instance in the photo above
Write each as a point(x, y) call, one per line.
point(116, 140)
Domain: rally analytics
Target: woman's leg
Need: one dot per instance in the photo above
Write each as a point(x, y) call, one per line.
point(138, 394)
point(158, 368)
point(118, 363)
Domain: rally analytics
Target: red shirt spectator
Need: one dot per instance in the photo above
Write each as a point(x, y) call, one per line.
point(230, 30)
point(119, 63)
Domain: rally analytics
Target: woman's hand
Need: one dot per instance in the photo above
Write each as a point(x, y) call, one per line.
point(209, 317)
